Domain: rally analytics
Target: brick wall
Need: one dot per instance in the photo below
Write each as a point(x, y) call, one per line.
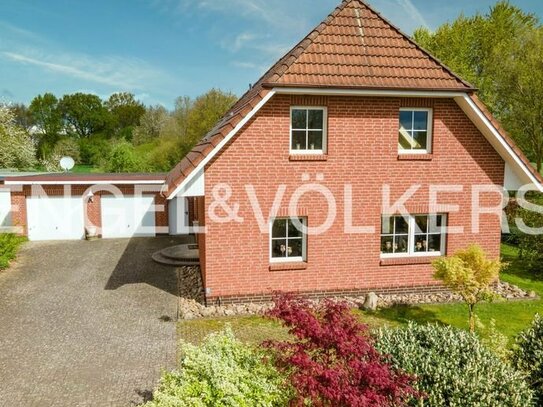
point(362, 152)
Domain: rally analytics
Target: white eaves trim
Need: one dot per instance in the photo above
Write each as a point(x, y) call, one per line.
point(200, 167)
point(368, 92)
point(518, 166)
point(111, 182)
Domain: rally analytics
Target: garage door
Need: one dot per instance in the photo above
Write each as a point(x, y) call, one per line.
point(5, 208)
point(127, 216)
point(55, 218)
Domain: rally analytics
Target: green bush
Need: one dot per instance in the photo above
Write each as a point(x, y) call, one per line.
point(453, 368)
point(221, 372)
point(9, 245)
point(528, 355)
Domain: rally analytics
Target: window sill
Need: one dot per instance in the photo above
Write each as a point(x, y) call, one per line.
point(308, 157)
point(288, 266)
point(415, 157)
point(403, 261)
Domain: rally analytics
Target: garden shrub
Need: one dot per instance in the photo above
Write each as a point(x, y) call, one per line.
point(528, 355)
point(453, 368)
point(331, 360)
point(9, 245)
point(222, 372)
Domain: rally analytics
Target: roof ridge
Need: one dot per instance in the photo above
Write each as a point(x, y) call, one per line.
point(416, 44)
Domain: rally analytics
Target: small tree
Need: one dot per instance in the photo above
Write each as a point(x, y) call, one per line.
point(332, 361)
point(470, 274)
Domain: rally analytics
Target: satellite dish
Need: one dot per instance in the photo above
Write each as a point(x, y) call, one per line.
point(67, 163)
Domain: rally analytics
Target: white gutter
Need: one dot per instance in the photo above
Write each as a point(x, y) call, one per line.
point(368, 92)
point(218, 147)
point(111, 182)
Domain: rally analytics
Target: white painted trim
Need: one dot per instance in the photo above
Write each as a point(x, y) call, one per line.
point(368, 92)
point(218, 147)
point(112, 182)
point(516, 159)
point(324, 130)
point(429, 130)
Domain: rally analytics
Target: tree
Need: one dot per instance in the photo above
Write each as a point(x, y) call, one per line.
point(469, 274)
point(16, 147)
point(67, 147)
point(501, 54)
point(331, 360)
point(123, 158)
point(23, 116)
point(125, 111)
point(151, 124)
point(47, 116)
point(84, 114)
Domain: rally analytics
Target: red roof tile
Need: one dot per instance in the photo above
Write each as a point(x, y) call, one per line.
point(354, 47)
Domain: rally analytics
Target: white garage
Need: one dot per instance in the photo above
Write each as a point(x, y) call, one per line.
point(55, 218)
point(128, 216)
point(5, 208)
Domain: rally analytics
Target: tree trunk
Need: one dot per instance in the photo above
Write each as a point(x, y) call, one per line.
point(471, 317)
point(539, 160)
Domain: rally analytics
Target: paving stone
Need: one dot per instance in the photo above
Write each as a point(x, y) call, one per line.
point(82, 323)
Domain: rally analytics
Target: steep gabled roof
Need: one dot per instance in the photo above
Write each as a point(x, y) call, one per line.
point(353, 48)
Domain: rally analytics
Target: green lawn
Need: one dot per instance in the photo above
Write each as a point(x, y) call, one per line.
point(510, 316)
point(84, 169)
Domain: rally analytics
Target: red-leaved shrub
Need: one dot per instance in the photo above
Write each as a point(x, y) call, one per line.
point(331, 361)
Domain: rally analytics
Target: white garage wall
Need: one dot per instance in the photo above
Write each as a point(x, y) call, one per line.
point(55, 218)
point(129, 216)
point(5, 208)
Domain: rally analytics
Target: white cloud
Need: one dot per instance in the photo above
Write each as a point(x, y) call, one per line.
point(121, 73)
point(413, 12)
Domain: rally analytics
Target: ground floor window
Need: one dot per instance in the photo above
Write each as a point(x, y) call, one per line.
point(413, 235)
point(287, 240)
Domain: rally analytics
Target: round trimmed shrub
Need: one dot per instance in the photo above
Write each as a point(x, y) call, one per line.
point(528, 355)
point(453, 368)
point(222, 372)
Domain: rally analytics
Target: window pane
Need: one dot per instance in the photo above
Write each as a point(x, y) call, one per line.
point(434, 243)
point(421, 243)
point(299, 119)
point(421, 223)
point(406, 140)
point(315, 140)
point(406, 119)
point(387, 244)
point(421, 140)
point(401, 225)
point(421, 121)
point(279, 248)
point(293, 230)
point(400, 244)
point(279, 228)
point(316, 119)
point(294, 248)
point(387, 225)
point(435, 223)
point(299, 140)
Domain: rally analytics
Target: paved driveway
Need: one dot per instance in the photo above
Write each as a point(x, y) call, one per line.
point(83, 323)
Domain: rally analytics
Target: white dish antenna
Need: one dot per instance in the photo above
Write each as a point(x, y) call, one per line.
point(67, 163)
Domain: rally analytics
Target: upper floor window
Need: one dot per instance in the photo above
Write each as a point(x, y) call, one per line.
point(415, 131)
point(308, 130)
point(416, 235)
point(288, 242)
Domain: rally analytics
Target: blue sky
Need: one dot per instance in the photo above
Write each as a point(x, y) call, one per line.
point(161, 49)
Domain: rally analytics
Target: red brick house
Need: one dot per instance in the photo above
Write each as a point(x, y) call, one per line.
point(359, 110)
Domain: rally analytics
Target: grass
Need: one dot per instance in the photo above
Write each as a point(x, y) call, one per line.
point(511, 316)
point(9, 245)
point(84, 169)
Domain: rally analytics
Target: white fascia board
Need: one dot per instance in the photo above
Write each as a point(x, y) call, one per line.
point(219, 147)
point(112, 182)
point(196, 186)
point(368, 92)
point(516, 165)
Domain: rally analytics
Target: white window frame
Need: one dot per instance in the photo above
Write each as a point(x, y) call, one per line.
point(287, 259)
point(324, 130)
point(429, 131)
point(411, 238)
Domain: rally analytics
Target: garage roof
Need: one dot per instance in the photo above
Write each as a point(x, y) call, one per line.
point(84, 179)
